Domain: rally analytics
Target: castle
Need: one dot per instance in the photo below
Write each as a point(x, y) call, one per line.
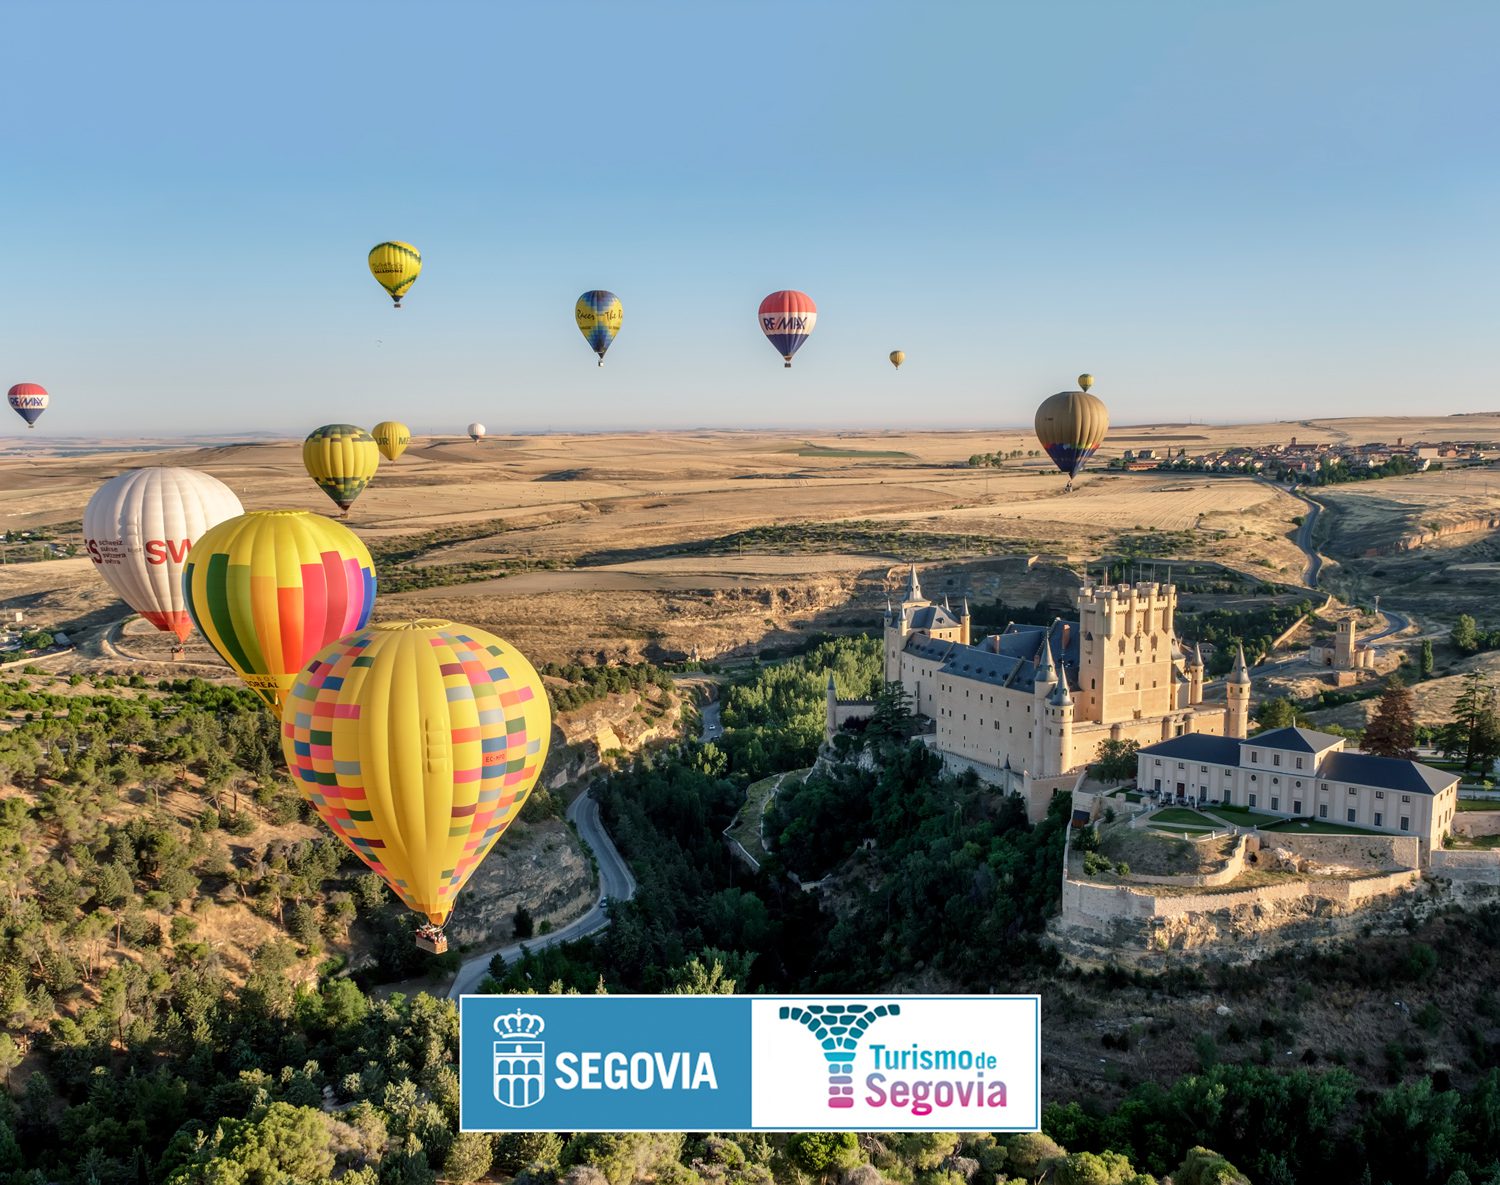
point(1028, 707)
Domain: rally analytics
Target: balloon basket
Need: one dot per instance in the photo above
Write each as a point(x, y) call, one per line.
point(432, 940)
point(786, 366)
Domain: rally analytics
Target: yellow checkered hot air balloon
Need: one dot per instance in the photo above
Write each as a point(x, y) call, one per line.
point(391, 437)
point(417, 743)
point(271, 588)
point(341, 459)
point(395, 266)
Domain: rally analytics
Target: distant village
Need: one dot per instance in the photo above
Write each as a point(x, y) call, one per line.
point(1320, 461)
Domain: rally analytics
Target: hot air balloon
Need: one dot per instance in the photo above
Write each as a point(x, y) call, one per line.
point(787, 318)
point(341, 459)
point(417, 743)
point(897, 358)
point(1071, 425)
point(29, 401)
point(391, 437)
point(1085, 381)
point(138, 528)
point(396, 266)
point(476, 432)
point(598, 315)
point(271, 588)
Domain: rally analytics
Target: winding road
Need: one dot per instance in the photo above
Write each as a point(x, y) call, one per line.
point(615, 884)
point(1304, 538)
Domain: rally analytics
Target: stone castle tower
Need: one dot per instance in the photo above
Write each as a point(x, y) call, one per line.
point(1126, 650)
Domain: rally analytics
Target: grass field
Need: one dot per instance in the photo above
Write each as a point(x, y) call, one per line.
point(1319, 827)
point(1181, 816)
point(823, 450)
point(1243, 816)
point(1479, 804)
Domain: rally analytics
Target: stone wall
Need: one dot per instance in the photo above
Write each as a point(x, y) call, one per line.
point(1476, 822)
point(1479, 867)
point(1355, 851)
point(1234, 866)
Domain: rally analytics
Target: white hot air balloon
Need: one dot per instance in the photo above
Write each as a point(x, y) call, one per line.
point(138, 528)
point(476, 432)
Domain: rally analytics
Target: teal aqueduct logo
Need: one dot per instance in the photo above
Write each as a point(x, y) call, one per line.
point(838, 1028)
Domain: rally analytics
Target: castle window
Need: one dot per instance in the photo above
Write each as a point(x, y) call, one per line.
point(1275, 758)
point(1352, 790)
point(1275, 803)
point(1322, 810)
point(1405, 823)
point(1296, 807)
point(1351, 814)
point(1254, 757)
point(1252, 798)
point(1299, 783)
point(1378, 818)
point(1299, 763)
point(1406, 798)
point(1380, 794)
point(1203, 769)
point(1275, 781)
point(1324, 787)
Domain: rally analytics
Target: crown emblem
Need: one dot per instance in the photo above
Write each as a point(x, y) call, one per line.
point(519, 1025)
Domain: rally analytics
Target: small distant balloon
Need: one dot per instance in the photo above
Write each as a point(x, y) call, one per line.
point(787, 319)
point(1085, 381)
point(29, 400)
point(598, 314)
point(897, 358)
point(476, 431)
point(341, 459)
point(391, 437)
point(395, 266)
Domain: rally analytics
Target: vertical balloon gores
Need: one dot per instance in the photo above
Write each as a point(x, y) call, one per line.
point(417, 743)
point(392, 438)
point(598, 314)
point(138, 529)
point(341, 458)
point(787, 319)
point(395, 266)
point(271, 588)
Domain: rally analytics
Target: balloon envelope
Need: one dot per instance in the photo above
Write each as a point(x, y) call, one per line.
point(417, 743)
point(476, 430)
point(1085, 381)
point(396, 266)
point(897, 358)
point(1071, 426)
point(787, 318)
point(271, 588)
point(138, 528)
point(391, 438)
point(29, 401)
point(341, 459)
point(598, 314)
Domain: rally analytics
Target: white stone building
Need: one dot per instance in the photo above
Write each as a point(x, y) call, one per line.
point(1299, 773)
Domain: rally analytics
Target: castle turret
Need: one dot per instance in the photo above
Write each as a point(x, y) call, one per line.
point(1045, 680)
point(1058, 745)
point(831, 710)
point(1237, 688)
point(965, 636)
point(914, 589)
point(1195, 676)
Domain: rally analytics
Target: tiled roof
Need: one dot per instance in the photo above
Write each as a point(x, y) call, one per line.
point(1197, 746)
point(1388, 773)
point(1295, 740)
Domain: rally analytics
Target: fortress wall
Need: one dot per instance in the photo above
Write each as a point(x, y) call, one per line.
point(1358, 851)
point(1478, 867)
point(1097, 907)
point(1476, 822)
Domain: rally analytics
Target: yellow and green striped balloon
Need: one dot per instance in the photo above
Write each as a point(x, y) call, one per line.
point(395, 266)
point(418, 743)
point(271, 588)
point(341, 459)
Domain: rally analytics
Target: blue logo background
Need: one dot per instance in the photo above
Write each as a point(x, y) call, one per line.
point(575, 1024)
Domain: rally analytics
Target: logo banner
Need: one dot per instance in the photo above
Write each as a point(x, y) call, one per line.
point(747, 1063)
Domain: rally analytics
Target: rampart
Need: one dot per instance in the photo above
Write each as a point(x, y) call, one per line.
point(1352, 851)
point(1478, 867)
point(1476, 822)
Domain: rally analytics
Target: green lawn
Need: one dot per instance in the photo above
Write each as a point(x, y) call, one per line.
point(1479, 804)
point(1319, 827)
point(1243, 816)
point(1471, 842)
point(1175, 815)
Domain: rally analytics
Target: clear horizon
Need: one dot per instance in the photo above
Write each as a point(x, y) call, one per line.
point(1269, 207)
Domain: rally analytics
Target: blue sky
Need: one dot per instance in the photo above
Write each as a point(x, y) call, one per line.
point(1223, 210)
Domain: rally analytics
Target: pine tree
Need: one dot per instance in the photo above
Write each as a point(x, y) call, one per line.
point(1392, 731)
point(1473, 732)
point(1426, 661)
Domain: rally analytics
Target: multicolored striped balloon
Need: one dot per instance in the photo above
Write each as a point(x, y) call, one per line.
point(787, 318)
point(417, 743)
point(271, 588)
point(341, 459)
point(598, 314)
point(1071, 426)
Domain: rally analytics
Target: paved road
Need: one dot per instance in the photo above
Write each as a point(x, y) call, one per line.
point(1305, 538)
point(713, 728)
point(615, 884)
